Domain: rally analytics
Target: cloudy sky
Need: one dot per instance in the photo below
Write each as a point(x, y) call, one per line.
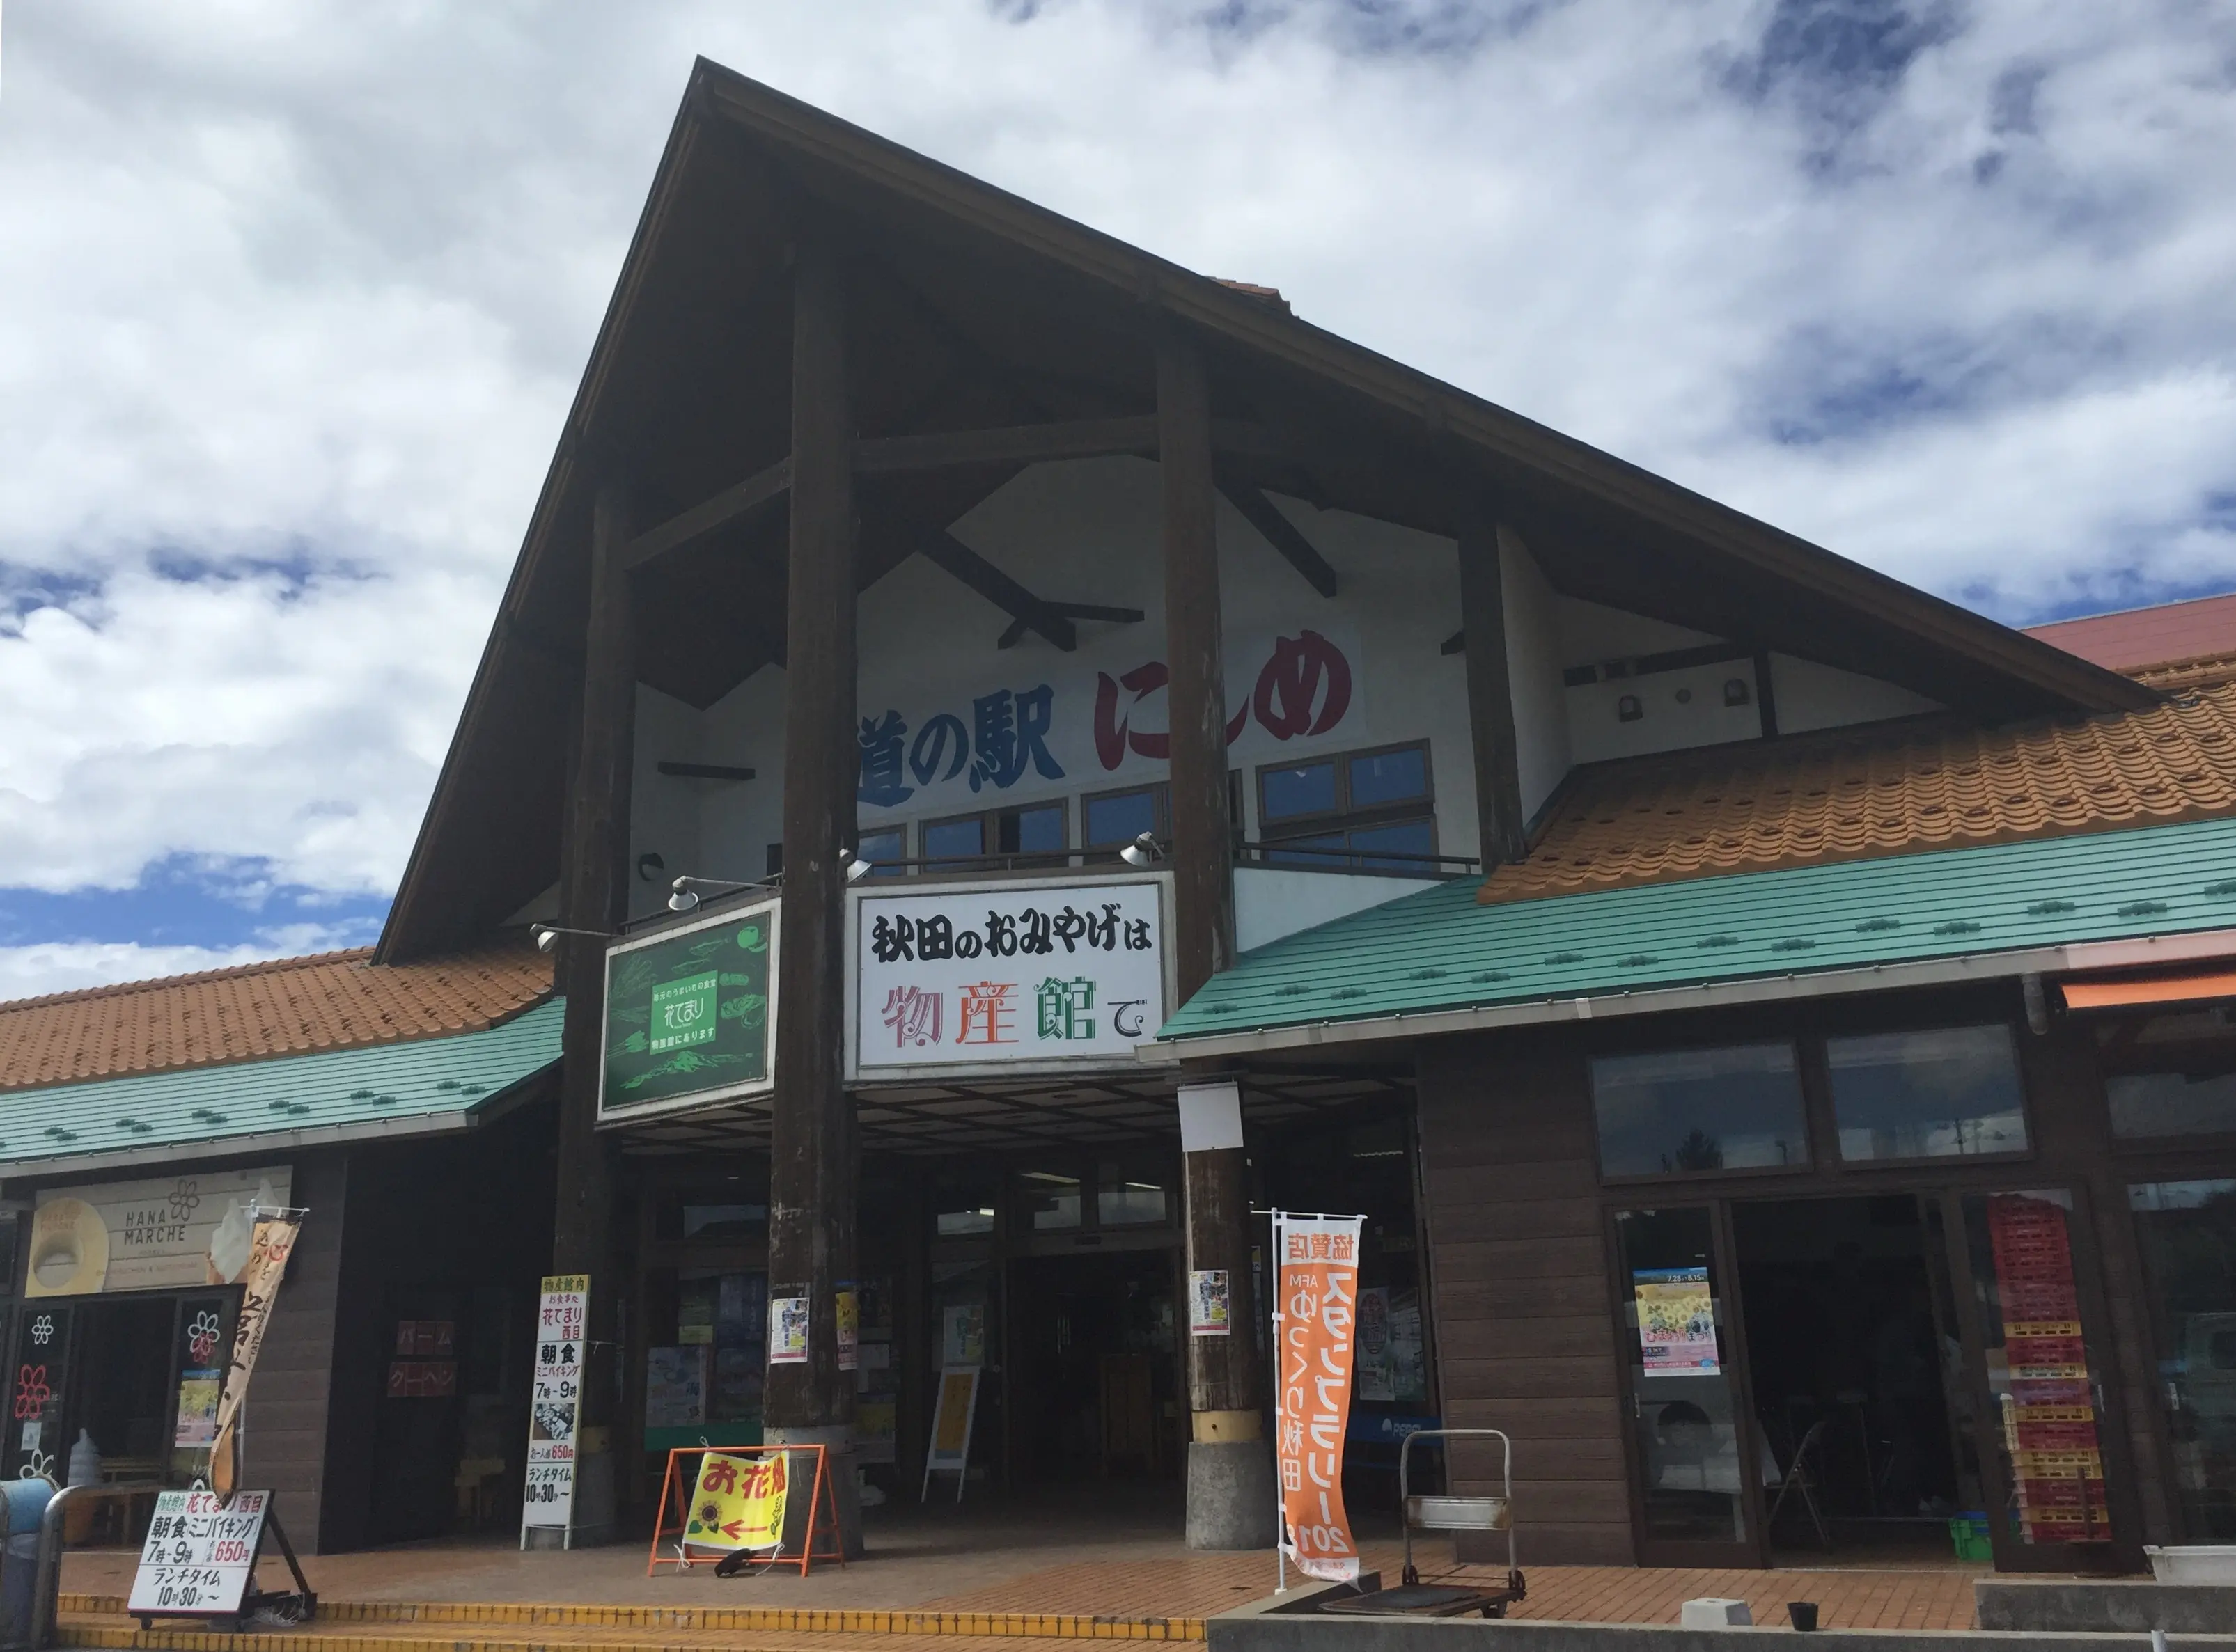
point(293, 294)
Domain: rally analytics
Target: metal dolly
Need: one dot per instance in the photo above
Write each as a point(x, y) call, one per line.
point(1412, 1597)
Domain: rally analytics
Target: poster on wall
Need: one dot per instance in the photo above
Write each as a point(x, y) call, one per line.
point(1009, 978)
point(962, 1333)
point(556, 1402)
point(1676, 1321)
point(172, 1233)
point(787, 1333)
point(1315, 1336)
point(690, 1015)
point(1210, 1312)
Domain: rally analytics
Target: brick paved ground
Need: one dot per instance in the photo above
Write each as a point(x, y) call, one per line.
point(1118, 1557)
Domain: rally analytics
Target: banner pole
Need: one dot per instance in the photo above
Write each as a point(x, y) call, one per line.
point(1281, 1509)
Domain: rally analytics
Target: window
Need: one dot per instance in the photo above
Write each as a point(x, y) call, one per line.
point(1357, 809)
point(2170, 1075)
point(1114, 819)
point(2187, 1233)
point(883, 850)
point(1127, 1196)
point(1690, 1111)
point(1036, 829)
point(1948, 1093)
point(964, 1209)
point(1050, 1198)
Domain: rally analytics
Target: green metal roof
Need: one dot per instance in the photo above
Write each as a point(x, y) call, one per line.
point(1440, 951)
point(413, 1087)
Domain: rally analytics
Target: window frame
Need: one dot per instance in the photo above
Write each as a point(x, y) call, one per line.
point(2173, 1142)
point(1823, 1041)
point(1345, 819)
point(1161, 813)
point(1794, 1040)
point(1021, 860)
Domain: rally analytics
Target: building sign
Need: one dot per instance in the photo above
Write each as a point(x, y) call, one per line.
point(1315, 1333)
point(556, 1401)
point(175, 1231)
point(1007, 977)
point(689, 1015)
point(200, 1553)
point(1676, 1323)
point(984, 741)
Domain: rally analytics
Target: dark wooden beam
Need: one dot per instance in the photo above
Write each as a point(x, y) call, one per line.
point(1281, 533)
point(1033, 443)
point(755, 493)
point(1491, 692)
point(704, 770)
point(811, 1154)
point(943, 551)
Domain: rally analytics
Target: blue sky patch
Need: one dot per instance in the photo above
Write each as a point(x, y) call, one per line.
point(190, 900)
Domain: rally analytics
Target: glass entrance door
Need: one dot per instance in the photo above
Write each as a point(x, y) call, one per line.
point(1695, 1502)
point(2187, 1233)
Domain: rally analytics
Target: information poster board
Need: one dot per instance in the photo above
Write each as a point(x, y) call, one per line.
point(556, 1402)
point(949, 1451)
point(1676, 1321)
point(201, 1554)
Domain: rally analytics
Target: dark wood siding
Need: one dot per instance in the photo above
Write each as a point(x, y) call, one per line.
point(283, 1426)
point(1525, 1338)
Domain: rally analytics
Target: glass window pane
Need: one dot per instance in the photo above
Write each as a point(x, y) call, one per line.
point(970, 1218)
point(2172, 1103)
point(881, 850)
point(1037, 830)
point(1051, 1198)
point(2188, 1235)
point(1121, 818)
point(963, 1208)
point(1688, 1421)
point(1390, 778)
point(1681, 1110)
point(1306, 790)
point(1275, 854)
point(1927, 1095)
point(1400, 837)
point(1124, 1196)
point(943, 837)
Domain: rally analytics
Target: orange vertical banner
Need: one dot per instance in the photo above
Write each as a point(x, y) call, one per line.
point(1315, 1322)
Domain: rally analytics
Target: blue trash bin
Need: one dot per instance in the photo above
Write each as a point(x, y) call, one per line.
point(19, 1561)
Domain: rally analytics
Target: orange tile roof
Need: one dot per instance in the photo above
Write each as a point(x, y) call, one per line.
point(327, 1002)
point(1878, 790)
point(2206, 670)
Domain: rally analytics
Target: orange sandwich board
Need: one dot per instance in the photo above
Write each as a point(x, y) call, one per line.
point(733, 1501)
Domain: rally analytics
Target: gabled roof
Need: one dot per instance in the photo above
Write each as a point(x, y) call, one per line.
point(975, 308)
point(1441, 961)
point(417, 1087)
point(333, 1000)
point(1878, 789)
point(2137, 640)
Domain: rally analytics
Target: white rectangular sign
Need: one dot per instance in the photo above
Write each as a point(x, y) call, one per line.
point(186, 1230)
point(200, 1553)
point(562, 1318)
point(1001, 976)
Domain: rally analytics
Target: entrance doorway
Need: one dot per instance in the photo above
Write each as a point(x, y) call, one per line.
point(1096, 1390)
point(1852, 1359)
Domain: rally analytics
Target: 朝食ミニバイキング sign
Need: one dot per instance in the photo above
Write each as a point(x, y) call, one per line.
point(563, 1318)
point(200, 1554)
point(1005, 978)
point(689, 1014)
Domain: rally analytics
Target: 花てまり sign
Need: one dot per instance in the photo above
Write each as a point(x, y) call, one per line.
point(689, 1014)
point(555, 1400)
point(199, 1554)
point(1005, 977)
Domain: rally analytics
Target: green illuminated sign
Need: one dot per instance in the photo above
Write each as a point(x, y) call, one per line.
point(688, 1013)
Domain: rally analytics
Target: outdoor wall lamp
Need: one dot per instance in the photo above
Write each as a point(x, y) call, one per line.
point(688, 891)
point(1141, 851)
point(546, 935)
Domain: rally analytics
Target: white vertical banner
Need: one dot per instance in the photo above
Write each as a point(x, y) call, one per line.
point(555, 1410)
point(1315, 1339)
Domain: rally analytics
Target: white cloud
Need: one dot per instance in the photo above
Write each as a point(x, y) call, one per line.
point(312, 282)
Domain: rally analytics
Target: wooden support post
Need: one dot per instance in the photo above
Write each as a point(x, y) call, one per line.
point(1229, 1464)
point(594, 896)
point(812, 1155)
point(1490, 690)
point(1202, 852)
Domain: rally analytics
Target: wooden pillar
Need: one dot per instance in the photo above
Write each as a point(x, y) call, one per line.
point(812, 1156)
point(1230, 1467)
point(1202, 848)
point(1490, 689)
point(593, 896)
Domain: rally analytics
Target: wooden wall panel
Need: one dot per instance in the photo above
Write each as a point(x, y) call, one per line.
point(1525, 1325)
point(283, 1421)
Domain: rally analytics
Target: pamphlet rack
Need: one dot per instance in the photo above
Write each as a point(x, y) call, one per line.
point(677, 1489)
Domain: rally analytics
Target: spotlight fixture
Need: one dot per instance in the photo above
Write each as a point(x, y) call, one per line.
point(857, 868)
point(546, 935)
point(1142, 852)
point(687, 891)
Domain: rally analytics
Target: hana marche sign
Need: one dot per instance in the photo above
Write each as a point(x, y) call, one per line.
point(1005, 977)
point(1315, 1326)
point(690, 1010)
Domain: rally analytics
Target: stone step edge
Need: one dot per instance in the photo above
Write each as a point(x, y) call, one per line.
point(131, 1638)
point(830, 1620)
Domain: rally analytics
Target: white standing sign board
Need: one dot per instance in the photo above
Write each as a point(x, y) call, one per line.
point(1005, 978)
point(200, 1553)
point(555, 1411)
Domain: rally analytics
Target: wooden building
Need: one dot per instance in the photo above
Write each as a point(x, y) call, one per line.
point(966, 678)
